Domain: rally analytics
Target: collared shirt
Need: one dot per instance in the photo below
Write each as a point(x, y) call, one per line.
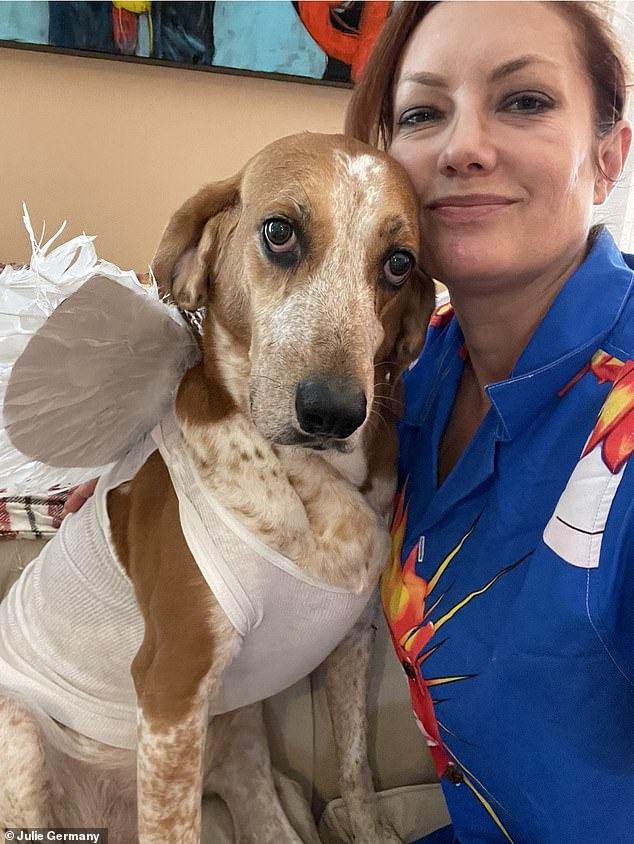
point(511, 592)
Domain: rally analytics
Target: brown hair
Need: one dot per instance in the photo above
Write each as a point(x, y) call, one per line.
point(370, 114)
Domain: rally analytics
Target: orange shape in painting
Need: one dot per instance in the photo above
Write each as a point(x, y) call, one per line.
point(352, 46)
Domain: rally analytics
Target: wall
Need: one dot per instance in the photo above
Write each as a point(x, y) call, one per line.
point(114, 148)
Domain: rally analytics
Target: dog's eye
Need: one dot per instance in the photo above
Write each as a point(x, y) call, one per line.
point(279, 235)
point(398, 267)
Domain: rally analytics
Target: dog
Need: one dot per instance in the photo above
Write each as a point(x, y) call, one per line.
point(282, 447)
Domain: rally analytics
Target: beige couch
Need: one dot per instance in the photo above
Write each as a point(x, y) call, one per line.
point(303, 749)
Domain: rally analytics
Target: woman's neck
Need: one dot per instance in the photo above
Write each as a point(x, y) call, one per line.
point(496, 333)
point(498, 322)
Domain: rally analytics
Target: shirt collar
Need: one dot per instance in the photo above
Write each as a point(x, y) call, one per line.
point(578, 321)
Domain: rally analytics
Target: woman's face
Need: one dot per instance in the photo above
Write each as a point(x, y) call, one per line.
point(494, 122)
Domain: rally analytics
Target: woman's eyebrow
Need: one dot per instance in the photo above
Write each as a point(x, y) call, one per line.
point(510, 67)
point(424, 78)
point(434, 80)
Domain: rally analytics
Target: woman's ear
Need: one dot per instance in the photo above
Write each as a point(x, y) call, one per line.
point(612, 154)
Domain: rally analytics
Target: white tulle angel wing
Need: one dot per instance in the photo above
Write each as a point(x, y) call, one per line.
point(89, 361)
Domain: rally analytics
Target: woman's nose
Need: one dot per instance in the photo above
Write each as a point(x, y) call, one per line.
point(469, 149)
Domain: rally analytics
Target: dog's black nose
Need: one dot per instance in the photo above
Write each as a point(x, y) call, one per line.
point(330, 407)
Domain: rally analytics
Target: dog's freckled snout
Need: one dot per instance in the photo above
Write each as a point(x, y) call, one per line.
point(330, 407)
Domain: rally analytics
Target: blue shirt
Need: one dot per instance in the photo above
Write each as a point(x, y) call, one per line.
point(511, 592)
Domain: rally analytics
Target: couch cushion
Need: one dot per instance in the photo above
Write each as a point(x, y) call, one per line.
point(413, 811)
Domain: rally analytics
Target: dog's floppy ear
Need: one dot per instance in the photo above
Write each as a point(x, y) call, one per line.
point(184, 258)
point(405, 323)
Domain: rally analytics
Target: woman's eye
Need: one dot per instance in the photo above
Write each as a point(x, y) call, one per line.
point(417, 116)
point(398, 267)
point(279, 235)
point(528, 103)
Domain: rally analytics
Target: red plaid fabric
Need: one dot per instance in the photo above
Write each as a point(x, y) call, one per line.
point(31, 517)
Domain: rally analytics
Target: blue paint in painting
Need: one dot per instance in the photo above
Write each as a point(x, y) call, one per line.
point(183, 31)
point(143, 36)
point(24, 20)
point(78, 25)
point(265, 36)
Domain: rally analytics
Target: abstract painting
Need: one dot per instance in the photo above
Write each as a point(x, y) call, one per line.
point(326, 42)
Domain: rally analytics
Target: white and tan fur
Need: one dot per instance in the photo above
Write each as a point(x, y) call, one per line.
point(320, 500)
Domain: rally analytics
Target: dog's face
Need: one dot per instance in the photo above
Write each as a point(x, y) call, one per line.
point(306, 261)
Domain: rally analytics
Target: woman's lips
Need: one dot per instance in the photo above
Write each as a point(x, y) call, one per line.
point(466, 209)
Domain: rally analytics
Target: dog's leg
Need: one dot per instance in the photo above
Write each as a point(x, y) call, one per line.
point(26, 790)
point(173, 702)
point(51, 776)
point(240, 771)
point(346, 673)
point(169, 775)
point(188, 643)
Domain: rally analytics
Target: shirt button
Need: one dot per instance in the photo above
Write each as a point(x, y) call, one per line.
point(409, 669)
point(453, 774)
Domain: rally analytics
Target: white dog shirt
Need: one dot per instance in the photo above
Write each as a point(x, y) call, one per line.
point(70, 626)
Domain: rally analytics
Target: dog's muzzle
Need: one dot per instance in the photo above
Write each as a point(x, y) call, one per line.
point(330, 407)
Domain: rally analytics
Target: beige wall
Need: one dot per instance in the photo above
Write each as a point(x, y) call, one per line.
point(114, 147)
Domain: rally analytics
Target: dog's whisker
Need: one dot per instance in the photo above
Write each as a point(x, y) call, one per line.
point(378, 414)
point(386, 399)
point(396, 407)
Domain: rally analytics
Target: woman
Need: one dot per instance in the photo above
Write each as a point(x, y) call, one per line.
point(512, 578)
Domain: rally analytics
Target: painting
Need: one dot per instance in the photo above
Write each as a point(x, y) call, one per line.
point(305, 40)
